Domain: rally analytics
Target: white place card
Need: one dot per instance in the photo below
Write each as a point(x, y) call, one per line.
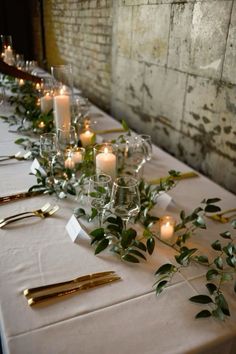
point(36, 166)
point(163, 201)
point(75, 230)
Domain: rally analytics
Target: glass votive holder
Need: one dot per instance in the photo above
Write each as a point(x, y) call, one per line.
point(167, 229)
point(87, 136)
point(105, 159)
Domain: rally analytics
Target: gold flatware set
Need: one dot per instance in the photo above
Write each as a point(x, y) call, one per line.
point(18, 196)
point(43, 213)
point(57, 290)
point(221, 217)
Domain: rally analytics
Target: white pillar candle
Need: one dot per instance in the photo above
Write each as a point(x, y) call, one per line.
point(106, 163)
point(167, 227)
point(62, 111)
point(86, 138)
point(46, 103)
point(8, 56)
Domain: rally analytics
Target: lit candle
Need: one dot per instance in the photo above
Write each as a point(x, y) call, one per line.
point(46, 103)
point(21, 82)
point(167, 226)
point(38, 86)
point(8, 56)
point(86, 138)
point(62, 111)
point(77, 157)
point(41, 125)
point(106, 163)
point(69, 163)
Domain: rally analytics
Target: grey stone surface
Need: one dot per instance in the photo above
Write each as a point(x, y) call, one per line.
point(164, 92)
point(150, 33)
point(229, 69)
point(124, 31)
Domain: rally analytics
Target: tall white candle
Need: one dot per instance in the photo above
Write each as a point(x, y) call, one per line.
point(106, 163)
point(86, 138)
point(46, 103)
point(62, 111)
point(8, 56)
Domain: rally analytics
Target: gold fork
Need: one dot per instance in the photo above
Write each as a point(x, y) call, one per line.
point(41, 215)
point(43, 209)
point(220, 216)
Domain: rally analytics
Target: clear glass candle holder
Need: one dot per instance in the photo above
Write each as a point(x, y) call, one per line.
point(167, 229)
point(87, 136)
point(105, 159)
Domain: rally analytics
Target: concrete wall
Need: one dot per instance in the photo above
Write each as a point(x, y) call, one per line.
point(166, 66)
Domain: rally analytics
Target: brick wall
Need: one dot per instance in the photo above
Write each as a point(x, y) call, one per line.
point(166, 66)
point(79, 32)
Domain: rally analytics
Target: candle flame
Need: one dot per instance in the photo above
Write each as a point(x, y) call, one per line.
point(106, 150)
point(9, 47)
point(88, 132)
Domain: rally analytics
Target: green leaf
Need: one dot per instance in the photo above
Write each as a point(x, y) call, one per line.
point(219, 262)
point(125, 125)
point(165, 268)
point(231, 261)
point(233, 223)
point(201, 299)
point(213, 200)
point(211, 274)
point(228, 249)
point(202, 259)
point(185, 255)
point(150, 245)
point(127, 237)
point(212, 208)
point(226, 234)
point(140, 245)
point(218, 313)
point(200, 222)
point(182, 215)
point(161, 286)
point(93, 214)
point(137, 253)
point(79, 212)
point(113, 220)
point(102, 245)
point(216, 245)
point(222, 303)
point(203, 314)
point(226, 277)
point(20, 141)
point(98, 232)
point(211, 287)
point(130, 258)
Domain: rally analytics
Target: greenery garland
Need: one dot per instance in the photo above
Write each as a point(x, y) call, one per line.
point(128, 245)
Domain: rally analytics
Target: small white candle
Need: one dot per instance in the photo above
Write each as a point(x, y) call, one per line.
point(41, 125)
point(69, 163)
point(77, 157)
point(106, 163)
point(21, 82)
point(167, 226)
point(86, 138)
point(46, 103)
point(62, 111)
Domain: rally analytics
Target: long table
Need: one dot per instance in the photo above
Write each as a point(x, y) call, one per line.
point(123, 317)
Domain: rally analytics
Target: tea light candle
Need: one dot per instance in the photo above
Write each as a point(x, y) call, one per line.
point(86, 138)
point(46, 103)
point(21, 82)
point(41, 125)
point(167, 225)
point(106, 163)
point(62, 111)
point(77, 157)
point(69, 163)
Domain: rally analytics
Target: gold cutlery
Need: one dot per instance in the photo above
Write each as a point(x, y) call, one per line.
point(89, 285)
point(13, 197)
point(37, 211)
point(221, 216)
point(17, 156)
point(31, 291)
point(108, 131)
point(184, 175)
point(41, 215)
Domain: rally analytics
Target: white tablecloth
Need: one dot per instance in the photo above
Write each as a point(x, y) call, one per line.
point(123, 317)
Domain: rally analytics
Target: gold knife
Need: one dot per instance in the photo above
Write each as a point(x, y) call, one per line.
point(31, 291)
point(185, 175)
point(91, 284)
point(13, 197)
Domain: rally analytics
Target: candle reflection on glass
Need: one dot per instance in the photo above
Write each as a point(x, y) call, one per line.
point(86, 138)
